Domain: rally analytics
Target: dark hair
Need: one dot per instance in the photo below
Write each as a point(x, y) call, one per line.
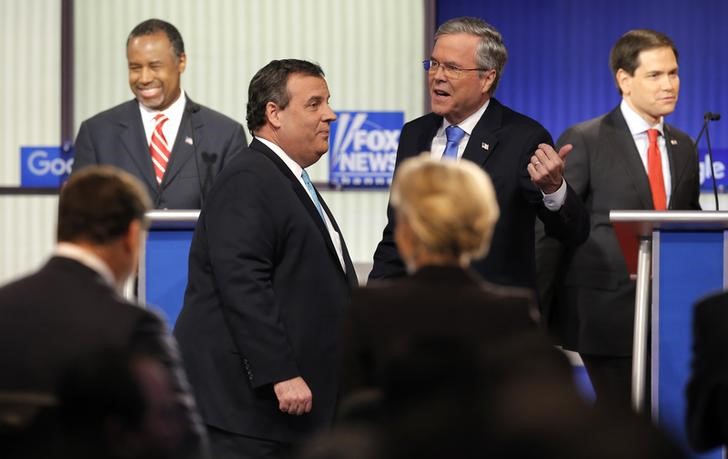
point(98, 204)
point(151, 26)
point(269, 84)
point(626, 51)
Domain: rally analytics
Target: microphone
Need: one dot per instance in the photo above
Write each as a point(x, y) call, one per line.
point(707, 118)
point(209, 159)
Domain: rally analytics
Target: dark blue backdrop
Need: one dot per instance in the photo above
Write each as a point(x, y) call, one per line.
point(558, 71)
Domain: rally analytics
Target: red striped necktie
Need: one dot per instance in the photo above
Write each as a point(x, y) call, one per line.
point(159, 148)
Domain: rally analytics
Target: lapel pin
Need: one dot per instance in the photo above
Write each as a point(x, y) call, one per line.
point(188, 140)
point(673, 142)
point(485, 146)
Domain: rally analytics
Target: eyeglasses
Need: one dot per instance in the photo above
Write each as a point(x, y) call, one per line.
point(450, 71)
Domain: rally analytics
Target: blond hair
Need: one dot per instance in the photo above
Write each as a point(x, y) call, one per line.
point(450, 206)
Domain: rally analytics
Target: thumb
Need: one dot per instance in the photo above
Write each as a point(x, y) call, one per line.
point(565, 150)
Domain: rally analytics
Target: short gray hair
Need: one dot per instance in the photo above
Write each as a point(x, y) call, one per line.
point(491, 52)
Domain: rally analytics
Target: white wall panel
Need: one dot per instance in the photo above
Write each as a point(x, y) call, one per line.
point(27, 233)
point(30, 47)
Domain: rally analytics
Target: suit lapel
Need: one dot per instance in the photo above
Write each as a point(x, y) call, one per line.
point(424, 139)
point(134, 140)
point(482, 143)
point(618, 139)
point(350, 271)
point(679, 156)
point(303, 196)
point(190, 130)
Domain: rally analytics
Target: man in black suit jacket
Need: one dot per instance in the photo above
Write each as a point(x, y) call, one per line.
point(199, 141)
point(588, 293)
point(463, 73)
point(269, 277)
point(71, 307)
point(707, 391)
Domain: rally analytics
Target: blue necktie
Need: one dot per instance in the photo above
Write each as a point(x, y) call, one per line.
point(454, 135)
point(312, 192)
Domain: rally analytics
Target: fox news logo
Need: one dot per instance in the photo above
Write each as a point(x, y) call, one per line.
point(363, 148)
point(44, 167)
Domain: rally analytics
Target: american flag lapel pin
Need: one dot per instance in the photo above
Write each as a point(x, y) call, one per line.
point(188, 140)
point(485, 146)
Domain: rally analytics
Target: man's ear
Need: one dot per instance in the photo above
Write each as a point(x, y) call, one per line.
point(273, 114)
point(133, 237)
point(624, 81)
point(487, 80)
point(182, 63)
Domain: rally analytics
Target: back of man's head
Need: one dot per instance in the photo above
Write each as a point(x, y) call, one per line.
point(98, 204)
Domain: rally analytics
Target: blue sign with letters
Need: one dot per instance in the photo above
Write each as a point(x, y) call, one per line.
point(363, 148)
point(44, 167)
point(720, 159)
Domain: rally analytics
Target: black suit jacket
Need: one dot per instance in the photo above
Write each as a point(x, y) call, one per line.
point(264, 298)
point(435, 302)
point(116, 137)
point(502, 143)
point(707, 390)
point(64, 312)
point(588, 296)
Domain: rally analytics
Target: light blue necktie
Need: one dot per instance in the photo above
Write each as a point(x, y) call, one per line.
point(312, 192)
point(454, 135)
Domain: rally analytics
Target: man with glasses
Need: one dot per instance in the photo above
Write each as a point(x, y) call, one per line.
point(467, 123)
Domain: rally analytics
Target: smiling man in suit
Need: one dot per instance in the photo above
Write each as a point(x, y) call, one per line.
point(173, 145)
point(269, 277)
point(468, 123)
point(627, 159)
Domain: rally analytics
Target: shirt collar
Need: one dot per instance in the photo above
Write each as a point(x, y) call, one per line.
point(637, 124)
point(468, 124)
point(173, 112)
point(88, 259)
point(292, 165)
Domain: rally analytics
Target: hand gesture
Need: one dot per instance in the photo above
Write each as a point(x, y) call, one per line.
point(547, 167)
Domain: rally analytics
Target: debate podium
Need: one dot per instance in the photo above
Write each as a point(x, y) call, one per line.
point(680, 257)
point(163, 260)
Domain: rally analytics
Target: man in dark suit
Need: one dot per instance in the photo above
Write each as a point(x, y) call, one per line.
point(71, 307)
point(707, 391)
point(627, 159)
point(269, 277)
point(173, 145)
point(467, 123)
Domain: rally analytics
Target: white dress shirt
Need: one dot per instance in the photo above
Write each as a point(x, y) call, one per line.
point(297, 170)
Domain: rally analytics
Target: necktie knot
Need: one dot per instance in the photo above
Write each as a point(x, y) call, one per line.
point(653, 134)
point(160, 119)
point(454, 135)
